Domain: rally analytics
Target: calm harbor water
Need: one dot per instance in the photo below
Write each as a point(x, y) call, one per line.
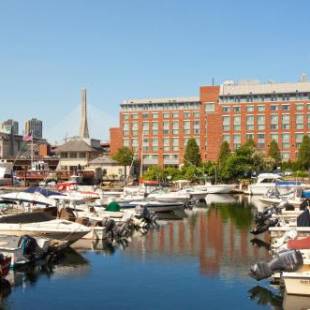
point(200, 262)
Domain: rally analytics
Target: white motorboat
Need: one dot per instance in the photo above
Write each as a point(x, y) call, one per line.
point(33, 198)
point(57, 229)
point(297, 283)
point(220, 188)
point(161, 195)
point(154, 205)
point(263, 183)
point(16, 248)
point(195, 192)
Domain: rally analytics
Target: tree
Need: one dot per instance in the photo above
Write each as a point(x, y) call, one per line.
point(224, 153)
point(304, 153)
point(154, 173)
point(124, 157)
point(192, 153)
point(274, 152)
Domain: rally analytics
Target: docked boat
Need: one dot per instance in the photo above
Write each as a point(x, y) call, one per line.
point(220, 188)
point(161, 195)
point(57, 229)
point(153, 205)
point(297, 283)
point(263, 183)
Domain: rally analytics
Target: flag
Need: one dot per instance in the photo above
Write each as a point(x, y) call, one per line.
point(27, 137)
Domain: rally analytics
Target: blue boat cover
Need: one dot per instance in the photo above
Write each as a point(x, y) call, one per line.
point(44, 191)
point(305, 194)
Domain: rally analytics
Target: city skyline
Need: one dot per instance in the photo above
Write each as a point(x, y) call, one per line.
point(136, 50)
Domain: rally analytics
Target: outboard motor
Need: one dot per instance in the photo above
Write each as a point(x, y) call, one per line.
point(288, 261)
point(303, 220)
point(108, 228)
point(262, 227)
point(30, 247)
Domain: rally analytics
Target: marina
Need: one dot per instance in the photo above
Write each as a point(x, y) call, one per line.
point(200, 257)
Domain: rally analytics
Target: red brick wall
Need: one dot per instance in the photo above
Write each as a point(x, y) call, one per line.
point(116, 140)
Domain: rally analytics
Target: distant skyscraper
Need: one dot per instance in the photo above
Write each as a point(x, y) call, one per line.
point(84, 133)
point(34, 126)
point(9, 125)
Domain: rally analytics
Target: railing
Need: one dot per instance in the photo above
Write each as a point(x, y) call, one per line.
point(60, 175)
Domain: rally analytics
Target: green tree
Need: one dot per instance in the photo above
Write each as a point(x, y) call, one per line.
point(154, 173)
point(124, 157)
point(274, 152)
point(304, 153)
point(192, 153)
point(224, 153)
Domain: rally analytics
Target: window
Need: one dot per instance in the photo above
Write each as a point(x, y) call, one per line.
point(126, 117)
point(226, 109)
point(274, 122)
point(237, 141)
point(187, 114)
point(134, 116)
point(285, 107)
point(210, 107)
point(126, 142)
point(166, 144)
point(274, 108)
point(175, 115)
point(166, 115)
point(260, 140)
point(299, 107)
point(299, 121)
point(236, 109)
point(261, 108)
point(155, 115)
point(274, 137)
point(250, 108)
point(298, 139)
point(261, 122)
point(126, 126)
point(226, 123)
point(237, 122)
point(145, 115)
point(285, 121)
point(226, 138)
point(285, 140)
point(285, 156)
point(134, 126)
point(196, 114)
point(249, 136)
point(250, 122)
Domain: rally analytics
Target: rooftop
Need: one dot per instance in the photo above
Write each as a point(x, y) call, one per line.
point(161, 100)
point(75, 145)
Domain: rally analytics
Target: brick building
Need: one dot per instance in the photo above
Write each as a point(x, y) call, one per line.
point(158, 129)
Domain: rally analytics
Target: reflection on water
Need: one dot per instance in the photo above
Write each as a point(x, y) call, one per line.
point(217, 236)
point(200, 260)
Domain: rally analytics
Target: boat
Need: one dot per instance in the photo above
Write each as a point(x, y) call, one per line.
point(25, 249)
point(153, 205)
point(161, 195)
point(263, 183)
point(57, 229)
point(297, 283)
point(220, 188)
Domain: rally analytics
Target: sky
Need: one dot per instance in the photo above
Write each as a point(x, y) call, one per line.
point(49, 50)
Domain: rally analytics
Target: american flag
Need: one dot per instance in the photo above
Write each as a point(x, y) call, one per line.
point(27, 137)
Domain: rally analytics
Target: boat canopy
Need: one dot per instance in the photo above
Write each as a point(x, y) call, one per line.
point(44, 191)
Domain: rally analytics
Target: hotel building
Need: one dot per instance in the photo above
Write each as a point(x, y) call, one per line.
point(158, 129)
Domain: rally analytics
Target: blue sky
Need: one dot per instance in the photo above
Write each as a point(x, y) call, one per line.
point(124, 49)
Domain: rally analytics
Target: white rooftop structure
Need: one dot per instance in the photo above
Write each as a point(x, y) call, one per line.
point(230, 89)
point(162, 100)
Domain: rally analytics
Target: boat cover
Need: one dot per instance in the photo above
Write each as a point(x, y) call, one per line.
point(44, 191)
point(299, 244)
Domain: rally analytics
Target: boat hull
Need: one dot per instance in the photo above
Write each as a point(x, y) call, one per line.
point(297, 283)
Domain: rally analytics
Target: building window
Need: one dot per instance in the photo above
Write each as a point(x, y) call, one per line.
point(237, 122)
point(134, 116)
point(274, 137)
point(237, 109)
point(285, 140)
point(155, 115)
point(250, 122)
point(298, 139)
point(187, 114)
point(126, 117)
point(260, 140)
point(274, 108)
point(237, 141)
point(166, 115)
point(210, 107)
point(73, 155)
point(226, 109)
point(64, 155)
point(196, 114)
point(261, 108)
point(226, 123)
point(299, 121)
point(274, 122)
point(285, 107)
point(145, 115)
point(285, 121)
point(261, 122)
point(299, 107)
point(249, 136)
point(226, 138)
point(126, 142)
point(250, 108)
point(175, 115)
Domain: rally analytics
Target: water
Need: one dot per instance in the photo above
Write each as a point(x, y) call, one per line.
point(200, 262)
